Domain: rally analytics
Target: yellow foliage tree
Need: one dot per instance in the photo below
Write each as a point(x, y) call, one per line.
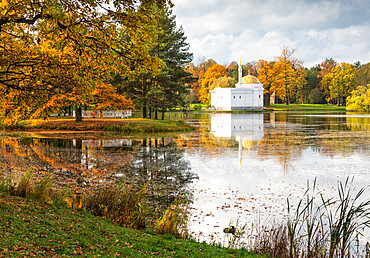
point(288, 74)
point(341, 82)
point(359, 100)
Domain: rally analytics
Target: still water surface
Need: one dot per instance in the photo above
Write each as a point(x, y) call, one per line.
point(236, 166)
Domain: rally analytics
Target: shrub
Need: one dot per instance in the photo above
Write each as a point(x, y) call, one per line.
point(124, 205)
point(197, 107)
point(41, 190)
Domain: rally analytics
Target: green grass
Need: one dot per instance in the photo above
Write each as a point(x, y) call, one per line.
point(34, 228)
point(308, 107)
point(132, 125)
point(283, 107)
point(150, 126)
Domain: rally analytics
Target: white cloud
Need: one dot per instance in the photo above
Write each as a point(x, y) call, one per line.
point(225, 30)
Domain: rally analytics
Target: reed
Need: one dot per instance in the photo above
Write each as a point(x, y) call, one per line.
point(319, 226)
point(175, 219)
point(27, 188)
point(236, 238)
point(347, 219)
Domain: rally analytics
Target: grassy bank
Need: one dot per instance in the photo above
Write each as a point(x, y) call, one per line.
point(277, 107)
point(305, 107)
point(33, 228)
point(132, 125)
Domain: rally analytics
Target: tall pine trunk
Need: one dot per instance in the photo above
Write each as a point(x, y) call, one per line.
point(143, 95)
point(144, 110)
point(163, 102)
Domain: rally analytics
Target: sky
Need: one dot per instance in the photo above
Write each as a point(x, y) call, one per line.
point(226, 30)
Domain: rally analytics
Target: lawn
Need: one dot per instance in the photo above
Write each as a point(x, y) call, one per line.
point(131, 125)
point(309, 107)
point(33, 228)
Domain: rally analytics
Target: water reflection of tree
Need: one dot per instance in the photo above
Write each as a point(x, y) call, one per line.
point(78, 165)
point(67, 161)
point(163, 168)
point(286, 136)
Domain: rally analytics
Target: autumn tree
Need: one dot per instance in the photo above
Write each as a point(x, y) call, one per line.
point(363, 75)
point(301, 90)
point(288, 75)
point(232, 70)
point(250, 68)
point(266, 75)
point(214, 72)
point(359, 99)
point(341, 82)
point(198, 72)
point(54, 53)
point(325, 68)
point(223, 82)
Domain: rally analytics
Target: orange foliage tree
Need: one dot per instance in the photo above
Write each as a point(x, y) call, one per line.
point(55, 53)
point(266, 75)
point(198, 74)
point(287, 76)
point(214, 72)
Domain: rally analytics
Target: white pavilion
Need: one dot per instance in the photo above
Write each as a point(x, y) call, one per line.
point(247, 95)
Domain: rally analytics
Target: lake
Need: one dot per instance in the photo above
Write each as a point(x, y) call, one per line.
point(236, 166)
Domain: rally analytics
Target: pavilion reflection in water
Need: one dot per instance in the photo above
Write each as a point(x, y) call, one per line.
point(246, 129)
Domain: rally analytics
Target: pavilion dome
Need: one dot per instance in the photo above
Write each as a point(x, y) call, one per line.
point(250, 79)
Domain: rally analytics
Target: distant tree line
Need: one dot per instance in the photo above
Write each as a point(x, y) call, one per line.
point(288, 81)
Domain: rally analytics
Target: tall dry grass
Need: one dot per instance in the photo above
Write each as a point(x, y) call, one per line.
point(124, 205)
point(175, 220)
point(316, 227)
point(27, 188)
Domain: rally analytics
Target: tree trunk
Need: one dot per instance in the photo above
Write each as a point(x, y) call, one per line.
point(267, 99)
point(78, 113)
point(150, 112)
point(156, 114)
point(163, 103)
point(144, 111)
point(70, 110)
point(287, 98)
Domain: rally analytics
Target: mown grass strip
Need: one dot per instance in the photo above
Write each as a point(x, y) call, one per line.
point(303, 107)
point(132, 125)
